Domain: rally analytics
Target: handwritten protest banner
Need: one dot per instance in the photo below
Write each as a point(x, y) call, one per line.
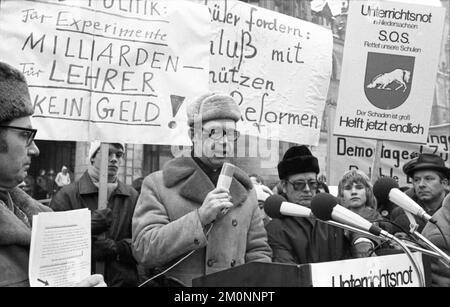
point(389, 71)
point(109, 70)
point(357, 153)
point(276, 67)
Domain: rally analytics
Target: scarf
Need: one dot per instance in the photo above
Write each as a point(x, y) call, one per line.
point(94, 173)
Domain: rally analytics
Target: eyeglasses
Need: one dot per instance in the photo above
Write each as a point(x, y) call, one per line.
point(27, 133)
point(301, 185)
point(217, 134)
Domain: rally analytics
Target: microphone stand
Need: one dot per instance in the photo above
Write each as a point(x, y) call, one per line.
point(445, 259)
point(374, 237)
point(419, 273)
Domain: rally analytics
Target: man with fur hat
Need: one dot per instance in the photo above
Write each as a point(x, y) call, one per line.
point(17, 147)
point(298, 240)
point(111, 227)
point(181, 212)
point(430, 179)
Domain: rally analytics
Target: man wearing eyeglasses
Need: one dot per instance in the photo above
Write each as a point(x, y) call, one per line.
point(17, 147)
point(298, 240)
point(186, 226)
point(110, 227)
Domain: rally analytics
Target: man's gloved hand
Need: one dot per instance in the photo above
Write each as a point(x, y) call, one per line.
point(108, 249)
point(103, 249)
point(101, 220)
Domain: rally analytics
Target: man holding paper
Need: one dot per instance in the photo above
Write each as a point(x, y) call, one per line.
point(17, 147)
point(186, 222)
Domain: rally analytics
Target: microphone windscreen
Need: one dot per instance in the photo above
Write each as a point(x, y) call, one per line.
point(322, 205)
point(272, 206)
point(382, 187)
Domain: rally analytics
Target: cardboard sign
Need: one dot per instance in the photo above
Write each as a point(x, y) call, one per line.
point(117, 71)
point(276, 67)
point(355, 153)
point(389, 71)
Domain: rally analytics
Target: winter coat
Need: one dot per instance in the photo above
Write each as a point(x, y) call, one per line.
point(298, 240)
point(166, 224)
point(84, 194)
point(440, 274)
point(15, 239)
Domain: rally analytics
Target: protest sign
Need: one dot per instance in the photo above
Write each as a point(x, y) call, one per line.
point(276, 67)
point(356, 153)
point(389, 71)
point(373, 272)
point(109, 70)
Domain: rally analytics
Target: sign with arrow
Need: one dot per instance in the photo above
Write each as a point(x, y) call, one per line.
point(45, 283)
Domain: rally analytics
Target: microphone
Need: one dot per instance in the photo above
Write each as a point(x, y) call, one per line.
point(404, 201)
point(382, 187)
point(326, 207)
point(381, 190)
point(387, 190)
point(277, 206)
point(225, 179)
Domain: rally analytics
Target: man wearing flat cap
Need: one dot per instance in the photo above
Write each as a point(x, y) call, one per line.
point(430, 178)
point(181, 213)
point(17, 209)
point(299, 240)
point(110, 227)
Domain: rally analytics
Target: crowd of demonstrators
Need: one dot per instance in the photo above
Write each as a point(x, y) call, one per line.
point(111, 227)
point(186, 225)
point(46, 184)
point(17, 147)
point(177, 222)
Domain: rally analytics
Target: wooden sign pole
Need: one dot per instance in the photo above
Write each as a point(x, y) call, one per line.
point(376, 162)
point(103, 194)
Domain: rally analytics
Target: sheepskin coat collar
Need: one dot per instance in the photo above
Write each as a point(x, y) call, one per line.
point(12, 230)
point(195, 184)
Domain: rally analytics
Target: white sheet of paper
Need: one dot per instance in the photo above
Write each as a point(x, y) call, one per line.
point(60, 253)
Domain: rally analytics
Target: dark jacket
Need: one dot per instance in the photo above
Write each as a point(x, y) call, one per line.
point(399, 217)
point(15, 238)
point(305, 240)
point(120, 271)
point(440, 274)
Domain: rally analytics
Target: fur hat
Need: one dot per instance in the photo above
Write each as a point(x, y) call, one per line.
point(14, 96)
point(297, 160)
point(426, 161)
point(94, 148)
point(212, 106)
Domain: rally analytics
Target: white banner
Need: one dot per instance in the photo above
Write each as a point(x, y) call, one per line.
point(357, 153)
point(389, 71)
point(277, 68)
point(383, 271)
point(110, 70)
